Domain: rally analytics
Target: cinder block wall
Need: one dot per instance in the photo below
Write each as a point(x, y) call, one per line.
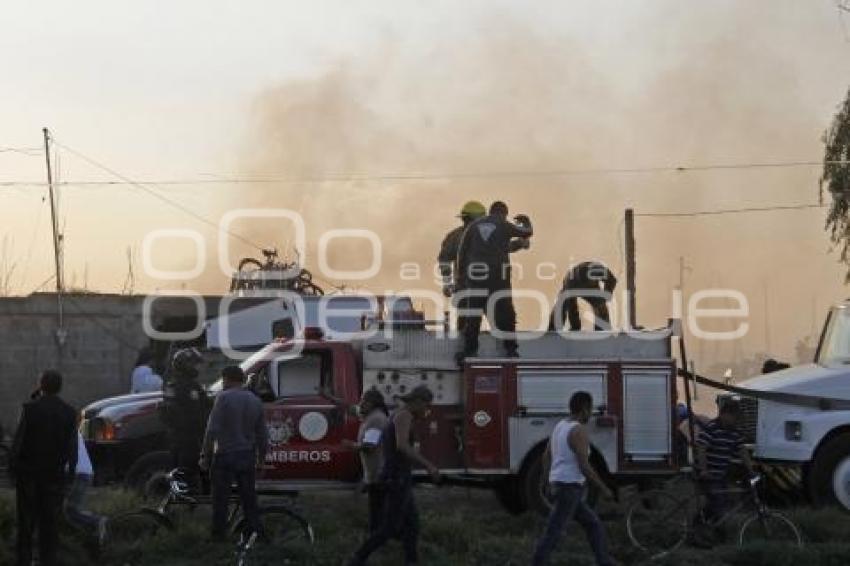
point(103, 336)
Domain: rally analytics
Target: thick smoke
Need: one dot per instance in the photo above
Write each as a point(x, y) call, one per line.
point(457, 119)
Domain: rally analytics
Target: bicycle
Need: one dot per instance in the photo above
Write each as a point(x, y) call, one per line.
point(253, 274)
point(280, 524)
point(659, 521)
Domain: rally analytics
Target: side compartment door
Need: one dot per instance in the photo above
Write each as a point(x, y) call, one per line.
point(306, 426)
point(485, 425)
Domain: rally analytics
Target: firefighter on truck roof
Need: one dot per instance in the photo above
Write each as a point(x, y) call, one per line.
point(484, 270)
point(447, 258)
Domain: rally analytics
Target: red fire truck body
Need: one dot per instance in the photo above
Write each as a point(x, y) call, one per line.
point(490, 419)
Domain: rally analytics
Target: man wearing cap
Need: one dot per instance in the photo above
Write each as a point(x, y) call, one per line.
point(400, 518)
point(447, 257)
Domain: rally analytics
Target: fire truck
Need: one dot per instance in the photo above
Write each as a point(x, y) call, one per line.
point(491, 417)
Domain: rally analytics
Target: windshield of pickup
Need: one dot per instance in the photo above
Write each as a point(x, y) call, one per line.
point(246, 365)
point(835, 343)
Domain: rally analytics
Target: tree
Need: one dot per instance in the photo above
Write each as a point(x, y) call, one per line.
point(836, 179)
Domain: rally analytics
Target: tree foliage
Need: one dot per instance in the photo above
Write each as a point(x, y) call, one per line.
point(836, 180)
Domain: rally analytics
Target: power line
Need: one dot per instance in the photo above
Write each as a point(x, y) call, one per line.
point(728, 211)
point(437, 176)
point(150, 190)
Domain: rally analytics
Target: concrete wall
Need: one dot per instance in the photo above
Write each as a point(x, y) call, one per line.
point(104, 335)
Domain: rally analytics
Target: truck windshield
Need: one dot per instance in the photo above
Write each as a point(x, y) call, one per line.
point(246, 365)
point(835, 345)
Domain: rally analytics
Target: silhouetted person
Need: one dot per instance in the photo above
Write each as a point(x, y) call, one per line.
point(44, 458)
point(591, 281)
point(484, 270)
point(447, 258)
point(184, 412)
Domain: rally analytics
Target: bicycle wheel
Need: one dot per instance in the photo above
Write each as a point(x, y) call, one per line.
point(657, 523)
point(280, 525)
point(130, 531)
point(772, 527)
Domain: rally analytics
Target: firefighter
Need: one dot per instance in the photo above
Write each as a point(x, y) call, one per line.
point(591, 281)
point(184, 412)
point(484, 270)
point(471, 211)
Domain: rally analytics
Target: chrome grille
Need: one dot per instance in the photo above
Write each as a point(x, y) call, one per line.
point(749, 418)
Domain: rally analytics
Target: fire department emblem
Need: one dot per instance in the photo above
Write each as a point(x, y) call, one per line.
point(313, 426)
point(280, 431)
point(481, 419)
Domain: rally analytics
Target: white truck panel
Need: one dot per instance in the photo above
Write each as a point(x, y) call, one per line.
point(646, 396)
point(527, 432)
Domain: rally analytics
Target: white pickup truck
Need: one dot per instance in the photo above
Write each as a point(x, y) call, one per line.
point(815, 436)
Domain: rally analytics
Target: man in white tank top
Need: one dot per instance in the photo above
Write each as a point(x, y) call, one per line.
point(567, 450)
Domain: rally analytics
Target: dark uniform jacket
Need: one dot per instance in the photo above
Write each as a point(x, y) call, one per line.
point(588, 275)
point(488, 241)
point(45, 444)
point(185, 407)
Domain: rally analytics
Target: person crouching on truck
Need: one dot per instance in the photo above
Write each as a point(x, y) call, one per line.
point(399, 518)
point(373, 412)
point(567, 451)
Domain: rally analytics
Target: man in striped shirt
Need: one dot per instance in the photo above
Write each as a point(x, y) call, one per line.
point(718, 444)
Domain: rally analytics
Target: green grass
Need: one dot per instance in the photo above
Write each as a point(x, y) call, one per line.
point(459, 527)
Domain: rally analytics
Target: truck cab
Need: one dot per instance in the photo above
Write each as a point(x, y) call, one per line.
point(816, 437)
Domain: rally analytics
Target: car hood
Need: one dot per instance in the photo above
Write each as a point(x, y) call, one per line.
point(94, 409)
point(810, 379)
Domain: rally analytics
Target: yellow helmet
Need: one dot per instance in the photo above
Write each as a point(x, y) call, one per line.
point(473, 209)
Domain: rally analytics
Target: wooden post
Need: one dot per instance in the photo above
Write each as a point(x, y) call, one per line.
point(631, 295)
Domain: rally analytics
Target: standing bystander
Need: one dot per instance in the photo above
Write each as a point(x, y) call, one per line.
point(44, 449)
point(235, 443)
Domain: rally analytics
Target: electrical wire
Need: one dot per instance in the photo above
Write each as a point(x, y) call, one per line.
point(150, 190)
point(727, 211)
point(439, 176)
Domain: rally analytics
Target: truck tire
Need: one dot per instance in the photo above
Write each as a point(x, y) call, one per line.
point(829, 477)
point(534, 482)
point(509, 494)
point(147, 467)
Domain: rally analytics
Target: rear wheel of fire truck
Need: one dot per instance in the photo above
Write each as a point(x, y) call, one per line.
point(146, 468)
point(657, 522)
point(509, 494)
point(280, 525)
point(534, 484)
point(829, 476)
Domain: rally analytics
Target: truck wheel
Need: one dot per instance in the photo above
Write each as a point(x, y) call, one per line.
point(534, 485)
point(146, 468)
point(829, 478)
point(509, 493)
point(535, 482)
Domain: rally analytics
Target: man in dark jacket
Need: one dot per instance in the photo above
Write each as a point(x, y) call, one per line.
point(44, 458)
point(484, 270)
point(184, 412)
point(591, 281)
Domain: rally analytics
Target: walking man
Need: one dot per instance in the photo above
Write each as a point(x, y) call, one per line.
point(43, 452)
point(373, 412)
point(567, 451)
point(591, 281)
point(235, 443)
point(484, 271)
point(400, 518)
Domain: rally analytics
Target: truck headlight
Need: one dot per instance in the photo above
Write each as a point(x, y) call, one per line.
point(793, 431)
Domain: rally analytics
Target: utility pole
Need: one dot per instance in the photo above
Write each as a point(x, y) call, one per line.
point(61, 333)
point(630, 267)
